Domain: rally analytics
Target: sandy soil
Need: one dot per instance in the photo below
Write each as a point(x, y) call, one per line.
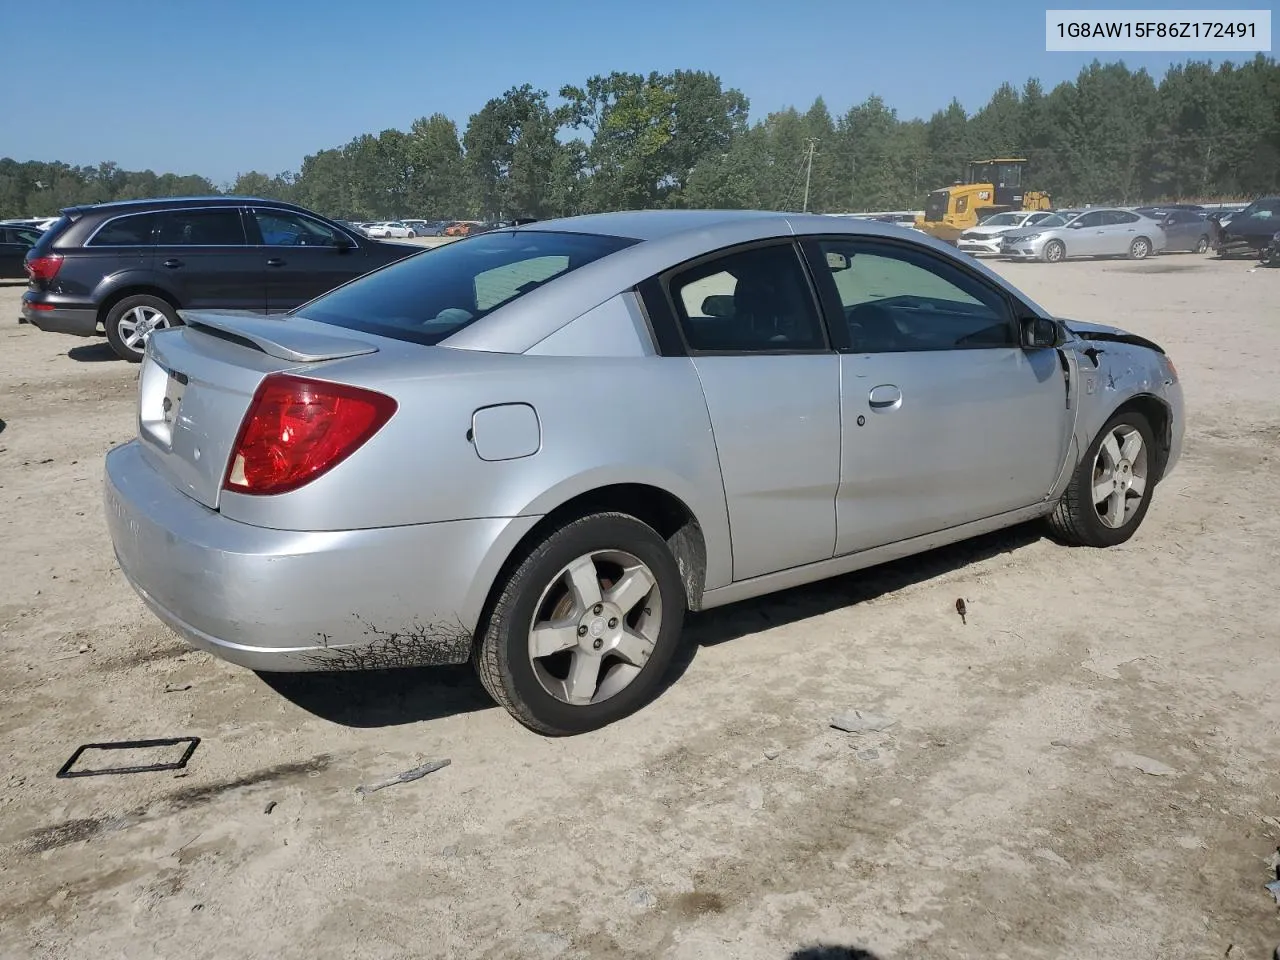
point(1002, 817)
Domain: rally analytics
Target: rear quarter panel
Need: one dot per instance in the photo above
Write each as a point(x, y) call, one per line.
point(602, 420)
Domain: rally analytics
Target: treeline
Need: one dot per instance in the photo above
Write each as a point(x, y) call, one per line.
point(682, 139)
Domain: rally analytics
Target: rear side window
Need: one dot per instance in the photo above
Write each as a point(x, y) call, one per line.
point(131, 231)
point(200, 228)
point(431, 295)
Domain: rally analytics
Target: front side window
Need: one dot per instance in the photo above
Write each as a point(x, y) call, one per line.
point(200, 228)
point(130, 231)
point(899, 299)
point(429, 296)
point(755, 300)
point(283, 228)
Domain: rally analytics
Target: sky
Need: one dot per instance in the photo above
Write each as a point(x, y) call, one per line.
point(217, 87)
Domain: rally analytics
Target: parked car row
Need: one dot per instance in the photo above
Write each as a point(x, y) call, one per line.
point(1096, 232)
point(1253, 231)
point(128, 268)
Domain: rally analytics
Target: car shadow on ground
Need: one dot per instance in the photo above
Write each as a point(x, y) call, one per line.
point(93, 353)
point(388, 698)
point(832, 952)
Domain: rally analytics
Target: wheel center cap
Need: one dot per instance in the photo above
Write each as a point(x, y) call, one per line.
point(597, 627)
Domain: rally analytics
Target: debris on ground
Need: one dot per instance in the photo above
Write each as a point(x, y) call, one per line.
point(417, 773)
point(188, 744)
point(962, 610)
point(871, 753)
point(1148, 766)
point(176, 688)
point(857, 721)
point(270, 806)
point(1274, 888)
point(640, 897)
point(772, 753)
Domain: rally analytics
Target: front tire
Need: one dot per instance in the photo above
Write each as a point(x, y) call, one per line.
point(131, 321)
point(1202, 245)
point(1140, 249)
point(1055, 251)
point(1110, 490)
point(584, 628)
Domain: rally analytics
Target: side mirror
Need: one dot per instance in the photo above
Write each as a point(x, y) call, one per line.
point(837, 261)
point(1074, 225)
point(718, 305)
point(342, 244)
point(1039, 333)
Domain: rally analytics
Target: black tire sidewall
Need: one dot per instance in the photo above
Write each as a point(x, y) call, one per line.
point(124, 306)
point(511, 635)
point(1099, 531)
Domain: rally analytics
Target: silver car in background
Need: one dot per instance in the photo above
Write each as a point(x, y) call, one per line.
point(984, 239)
point(1101, 232)
point(537, 448)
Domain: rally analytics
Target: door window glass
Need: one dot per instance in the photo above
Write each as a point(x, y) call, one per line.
point(200, 228)
point(899, 299)
point(754, 300)
point(281, 228)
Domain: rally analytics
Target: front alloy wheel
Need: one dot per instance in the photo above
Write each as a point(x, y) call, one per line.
point(1110, 490)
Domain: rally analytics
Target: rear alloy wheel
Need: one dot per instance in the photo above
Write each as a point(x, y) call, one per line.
point(1111, 488)
point(1055, 251)
point(1202, 245)
point(585, 627)
point(131, 321)
point(1140, 249)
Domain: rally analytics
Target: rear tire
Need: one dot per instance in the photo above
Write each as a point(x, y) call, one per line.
point(1110, 490)
point(130, 322)
point(1140, 249)
point(1202, 245)
point(603, 600)
point(1055, 251)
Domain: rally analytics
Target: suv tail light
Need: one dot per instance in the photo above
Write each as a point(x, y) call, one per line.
point(44, 268)
point(297, 429)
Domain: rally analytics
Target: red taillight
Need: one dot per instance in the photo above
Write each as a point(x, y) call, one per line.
point(44, 268)
point(39, 307)
point(296, 429)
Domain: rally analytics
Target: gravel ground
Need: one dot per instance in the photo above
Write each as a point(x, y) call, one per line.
point(1086, 768)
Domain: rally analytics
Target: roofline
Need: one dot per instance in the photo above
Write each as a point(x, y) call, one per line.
point(213, 198)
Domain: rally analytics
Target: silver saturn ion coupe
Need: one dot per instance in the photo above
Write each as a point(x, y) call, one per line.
point(537, 448)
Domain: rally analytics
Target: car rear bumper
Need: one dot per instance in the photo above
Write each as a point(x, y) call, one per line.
point(49, 315)
point(279, 600)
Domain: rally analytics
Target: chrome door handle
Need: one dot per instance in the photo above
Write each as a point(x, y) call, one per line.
point(884, 398)
point(275, 262)
point(172, 263)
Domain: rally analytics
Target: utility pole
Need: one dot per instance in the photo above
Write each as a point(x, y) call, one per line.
point(808, 173)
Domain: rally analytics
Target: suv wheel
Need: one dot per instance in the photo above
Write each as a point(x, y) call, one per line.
point(131, 321)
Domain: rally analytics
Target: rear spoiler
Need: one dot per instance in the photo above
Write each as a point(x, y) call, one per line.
point(294, 339)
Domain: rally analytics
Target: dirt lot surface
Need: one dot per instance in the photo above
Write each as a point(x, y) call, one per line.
point(1005, 815)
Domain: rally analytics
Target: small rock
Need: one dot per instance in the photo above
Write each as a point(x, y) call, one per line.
point(1148, 766)
point(895, 802)
point(269, 807)
point(1044, 853)
point(197, 907)
point(856, 721)
point(450, 851)
point(83, 648)
point(871, 753)
point(1059, 743)
point(772, 754)
point(640, 897)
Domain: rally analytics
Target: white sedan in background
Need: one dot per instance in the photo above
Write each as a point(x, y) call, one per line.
point(390, 228)
point(985, 237)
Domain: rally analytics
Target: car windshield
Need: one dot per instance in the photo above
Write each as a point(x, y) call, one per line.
point(431, 295)
point(1003, 220)
point(1266, 208)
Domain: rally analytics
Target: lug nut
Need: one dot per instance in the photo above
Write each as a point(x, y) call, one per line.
point(598, 609)
point(582, 631)
point(597, 644)
point(613, 622)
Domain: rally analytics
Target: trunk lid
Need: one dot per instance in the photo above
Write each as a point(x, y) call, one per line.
point(197, 381)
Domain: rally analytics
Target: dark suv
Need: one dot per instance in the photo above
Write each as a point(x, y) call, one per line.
point(127, 268)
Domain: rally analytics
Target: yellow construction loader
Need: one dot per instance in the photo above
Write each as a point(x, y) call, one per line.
point(990, 186)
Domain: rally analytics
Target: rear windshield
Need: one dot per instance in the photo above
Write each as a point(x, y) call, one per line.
point(432, 295)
